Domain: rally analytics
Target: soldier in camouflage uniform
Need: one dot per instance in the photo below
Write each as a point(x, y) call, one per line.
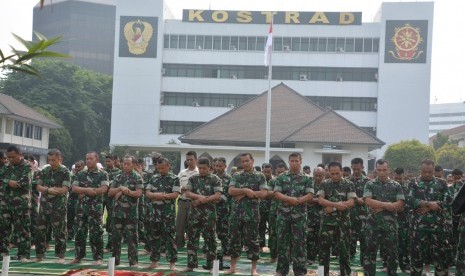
point(72, 202)
point(125, 190)
point(358, 214)
point(272, 235)
point(108, 201)
point(90, 184)
point(385, 198)
point(313, 218)
point(162, 190)
point(247, 187)
point(204, 189)
point(429, 196)
point(222, 211)
point(265, 205)
point(148, 208)
point(460, 262)
point(16, 215)
point(337, 196)
point(143, 203)
point(34, 199)
point(53, 184)
point(293, 189)
point(403, 220)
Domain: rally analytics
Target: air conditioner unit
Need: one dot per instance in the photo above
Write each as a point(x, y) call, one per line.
point(163, 71)
point(195, 104)
point(339, 79)
point(160, 130)
point(340, 50)
point(375, 106)
point(376, 76)
point(286, 48)
point(265, 77)
point(303, 77)
point(232, 48)
point(233, 76)
point(230, 106)
point(199, 47)
point(374, 129)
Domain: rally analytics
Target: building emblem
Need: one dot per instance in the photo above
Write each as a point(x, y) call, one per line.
point(138, 34)
point(406, 41)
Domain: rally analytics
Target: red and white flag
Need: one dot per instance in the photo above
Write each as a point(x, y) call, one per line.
point(269, 45)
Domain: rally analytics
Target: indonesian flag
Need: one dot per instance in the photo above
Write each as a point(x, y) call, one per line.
point(269, 45)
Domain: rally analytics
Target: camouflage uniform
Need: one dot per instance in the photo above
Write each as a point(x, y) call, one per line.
point(404, 220)
point(245, 217)
point(314, 211)
point(263, 226)
point(147, 209)
point(381, 228)
point(429, 238)
point(358, 216)
point(222, 216)
point(202, 218)
point(52, 209)
point(143, 211)
point(455, 188)
point(34, 206)
point(108, 205)
point(89, 213)
point(335, 226)
point(125, 216)
point(71, 212)
point(460, 263)
point(291, 223)
point(162, 217)
point(16, 214)
point(272, 234)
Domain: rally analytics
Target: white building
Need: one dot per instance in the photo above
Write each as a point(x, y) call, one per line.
point(445, 116)
point(375, 74)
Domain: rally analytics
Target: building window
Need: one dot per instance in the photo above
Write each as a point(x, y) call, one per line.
point(346, 103)
point(18, 128)
point(205, 99)
point(37, 133)
point(28, 131)
point(178, 127)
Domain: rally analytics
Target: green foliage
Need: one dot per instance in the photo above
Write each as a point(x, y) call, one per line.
point(450, 156)
point(408, 155)
point(441, 140)
point(76, 98)
point(18, 60)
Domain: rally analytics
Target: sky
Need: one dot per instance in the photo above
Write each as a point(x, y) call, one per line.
point(448, 58)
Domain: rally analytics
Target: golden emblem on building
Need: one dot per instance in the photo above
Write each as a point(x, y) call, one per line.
point(138, 34)
point(406, 40)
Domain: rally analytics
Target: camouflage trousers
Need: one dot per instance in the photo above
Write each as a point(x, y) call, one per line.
point(429, 247)
point(357, 234)
point(312, 239)
point(222, 227)
point(20, 221)
point(141, 222)
point(70, 215)
point(147, 222)
point(244, 231)
point(51, 219)
point(108, 205)
point(375, 239)
point(197, 224)
point(460, 263)
point(93, 225)
point(34, 218)
point(340, 236)
point(404, 245)
point(291, 233)
point(128, 228)
point(263, 226)
point(162, 231)
point(272, 234)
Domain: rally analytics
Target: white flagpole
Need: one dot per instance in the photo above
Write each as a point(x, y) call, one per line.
point(268, 102)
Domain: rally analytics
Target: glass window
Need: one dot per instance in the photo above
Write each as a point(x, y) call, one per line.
point(313, 44)
point(191, 42)
point(296, 44)
point(322, 42)
point(38, 133)
point(340, 41)
point(18, 128)
point(182, 42)
point(243, 43)
point(304, 43)
point(251, 43)
point(208, 42)
point(199, 42)
point(217, 42)
point(278, 43)
point(368, 45)
point(350, 42)
point(358, 45)
point(287, 42)
point(174, 41)
point(375, 45)
point(331, 45)
point(166, 41)
point(225, 40)
point(28, 131)
point(260, 43)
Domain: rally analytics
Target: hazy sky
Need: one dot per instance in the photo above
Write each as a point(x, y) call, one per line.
point(448, 57)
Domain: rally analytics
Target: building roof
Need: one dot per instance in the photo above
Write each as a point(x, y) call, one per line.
point(294, 118)
point(102, 2)
point(12, 107)
point(449, 132)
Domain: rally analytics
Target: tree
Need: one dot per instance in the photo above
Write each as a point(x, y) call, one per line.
point(408, 154)
point(78, 99)
point(441, 140)
point(450, 156)
point(18, 60)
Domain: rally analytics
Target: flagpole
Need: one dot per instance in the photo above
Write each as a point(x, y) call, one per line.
point(268, 103)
